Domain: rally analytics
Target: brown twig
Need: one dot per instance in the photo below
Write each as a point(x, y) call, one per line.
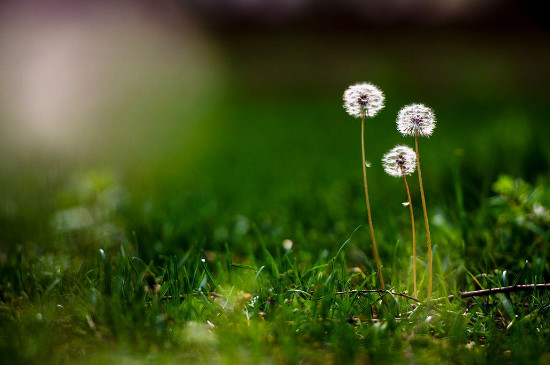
point(377, 291)
point(504, 289)
point(465, 294)
point(182, 297)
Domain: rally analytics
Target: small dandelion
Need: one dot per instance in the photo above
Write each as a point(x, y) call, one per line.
point(416, 119)
point(419, 120)
point(287, 244)
point(362, 101)
point(400, 161)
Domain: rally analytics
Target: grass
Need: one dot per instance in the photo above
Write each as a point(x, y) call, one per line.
point(270, 308)
point(192, 266)
point(251, 300)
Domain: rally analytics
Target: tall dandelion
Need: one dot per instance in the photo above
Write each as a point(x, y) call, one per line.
point(365, 100)
point(419, 120)
point(400, 161)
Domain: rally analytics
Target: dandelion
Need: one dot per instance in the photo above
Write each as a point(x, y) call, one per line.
point(419, 120)
point(400, 161)
point(416, 119)
point(361, 101)
point(287, 244)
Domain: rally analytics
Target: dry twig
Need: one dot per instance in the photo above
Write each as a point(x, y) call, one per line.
point(504, 289)
point(378, 291)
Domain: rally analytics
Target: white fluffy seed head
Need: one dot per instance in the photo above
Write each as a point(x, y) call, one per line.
point(416, 119)
point(399, 161)
point(363, 100)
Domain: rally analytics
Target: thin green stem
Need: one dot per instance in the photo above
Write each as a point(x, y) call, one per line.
point(376, 258)
point(413, 233)
point(425, 217)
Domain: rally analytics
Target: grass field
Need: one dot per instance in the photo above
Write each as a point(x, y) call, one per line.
point(240, 235)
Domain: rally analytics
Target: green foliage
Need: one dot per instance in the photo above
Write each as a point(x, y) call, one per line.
point(204, 307)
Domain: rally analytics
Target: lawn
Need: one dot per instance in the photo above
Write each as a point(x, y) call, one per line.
point(233, 228)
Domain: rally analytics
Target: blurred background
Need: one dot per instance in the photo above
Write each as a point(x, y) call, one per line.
point(170, 125)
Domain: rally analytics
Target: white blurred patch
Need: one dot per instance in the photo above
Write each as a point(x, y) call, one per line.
point(198, 334)
point(85, 80)
point(73, 219)
point(287, 244)
point(93, 199)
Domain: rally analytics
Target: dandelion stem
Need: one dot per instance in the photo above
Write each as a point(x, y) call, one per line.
point(376, 258)
point(413, 232)
point(425, 217)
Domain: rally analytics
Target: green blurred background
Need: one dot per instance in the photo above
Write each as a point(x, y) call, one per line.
point(180, 125)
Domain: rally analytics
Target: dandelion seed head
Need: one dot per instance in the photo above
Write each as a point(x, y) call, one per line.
point(416, 119)
point(363, 100)
point(287, 244)
point(399, 161)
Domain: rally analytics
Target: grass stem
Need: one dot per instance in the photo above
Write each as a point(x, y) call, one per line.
point(425, 217)
point(413, 233)
point(376, 258)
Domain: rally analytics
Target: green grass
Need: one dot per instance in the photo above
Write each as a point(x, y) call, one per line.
point(261, 303)
point(269, 308)
point(192, 266)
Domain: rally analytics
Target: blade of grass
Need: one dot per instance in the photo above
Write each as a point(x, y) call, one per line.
point(268, 256)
